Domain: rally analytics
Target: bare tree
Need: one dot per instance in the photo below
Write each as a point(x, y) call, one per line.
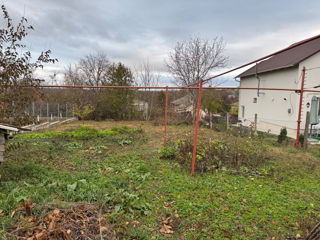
point(194, 59)
point(147, 77)
point(72, 76)
point(93, 69)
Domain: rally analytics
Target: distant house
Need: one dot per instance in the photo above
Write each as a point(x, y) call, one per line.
point(141, 106)
point(185, 105)
point(277, 109)
point(182, 104)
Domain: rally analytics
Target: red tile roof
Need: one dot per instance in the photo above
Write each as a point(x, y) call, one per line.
point(286, 59)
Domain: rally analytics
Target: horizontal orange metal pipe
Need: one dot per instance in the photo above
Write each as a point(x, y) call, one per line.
point(176, 87)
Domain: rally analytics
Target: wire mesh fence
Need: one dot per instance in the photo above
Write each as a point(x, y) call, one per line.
point(49, 111)
point(146, 104)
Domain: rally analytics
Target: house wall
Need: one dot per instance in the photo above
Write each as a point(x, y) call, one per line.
point(312, 79)
point(272, 106)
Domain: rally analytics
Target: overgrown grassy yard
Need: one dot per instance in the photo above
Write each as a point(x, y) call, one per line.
point(116, 182)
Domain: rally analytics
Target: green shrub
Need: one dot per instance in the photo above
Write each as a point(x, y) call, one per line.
point(301, 140)
point(214, 154)
point(169, 152)
point(283, 135)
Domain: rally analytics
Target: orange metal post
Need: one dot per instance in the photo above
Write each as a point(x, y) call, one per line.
point(4, 104)
point(300, 107)
point(165, 119)
point(196, 128)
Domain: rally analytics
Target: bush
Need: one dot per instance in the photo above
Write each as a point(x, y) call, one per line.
point(283, 135)
point(214, 154)
point(169, 152)
point(301, 140)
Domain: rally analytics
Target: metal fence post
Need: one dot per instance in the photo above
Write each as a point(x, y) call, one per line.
point(47, 112)
point(196, 128)
point(165, 118)
point(32, 109)
point(228, 120)
point(58, 111)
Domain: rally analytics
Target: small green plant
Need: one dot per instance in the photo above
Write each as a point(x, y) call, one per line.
point(127, 202)
point(168, 152)
point(125, 141)
point(283, 135)
point(301, 140)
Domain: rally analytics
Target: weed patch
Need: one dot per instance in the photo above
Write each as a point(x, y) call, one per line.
point(213, 154)
point(82, 133)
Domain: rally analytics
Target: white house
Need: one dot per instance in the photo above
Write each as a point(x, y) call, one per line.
point(277, 109)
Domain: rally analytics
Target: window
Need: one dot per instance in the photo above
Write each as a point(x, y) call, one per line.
point(255, 100)
point(242, 110)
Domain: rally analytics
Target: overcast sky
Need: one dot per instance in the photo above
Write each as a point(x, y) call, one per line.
point(133, 31)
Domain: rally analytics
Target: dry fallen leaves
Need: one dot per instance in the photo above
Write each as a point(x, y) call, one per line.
point(166, 226)
point(27, 206)
point(81, 221)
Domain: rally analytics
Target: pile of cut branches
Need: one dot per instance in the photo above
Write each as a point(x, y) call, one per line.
point(83, 221)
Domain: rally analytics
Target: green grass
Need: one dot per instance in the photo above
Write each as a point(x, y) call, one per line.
point(123, 172)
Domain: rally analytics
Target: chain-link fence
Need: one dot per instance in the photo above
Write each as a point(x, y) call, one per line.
point(48, 111)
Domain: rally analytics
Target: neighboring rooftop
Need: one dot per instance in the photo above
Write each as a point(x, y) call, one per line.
point(286, 59)
point(185, 100)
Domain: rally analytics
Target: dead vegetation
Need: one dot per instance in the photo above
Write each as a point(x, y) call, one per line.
point(61, 222)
